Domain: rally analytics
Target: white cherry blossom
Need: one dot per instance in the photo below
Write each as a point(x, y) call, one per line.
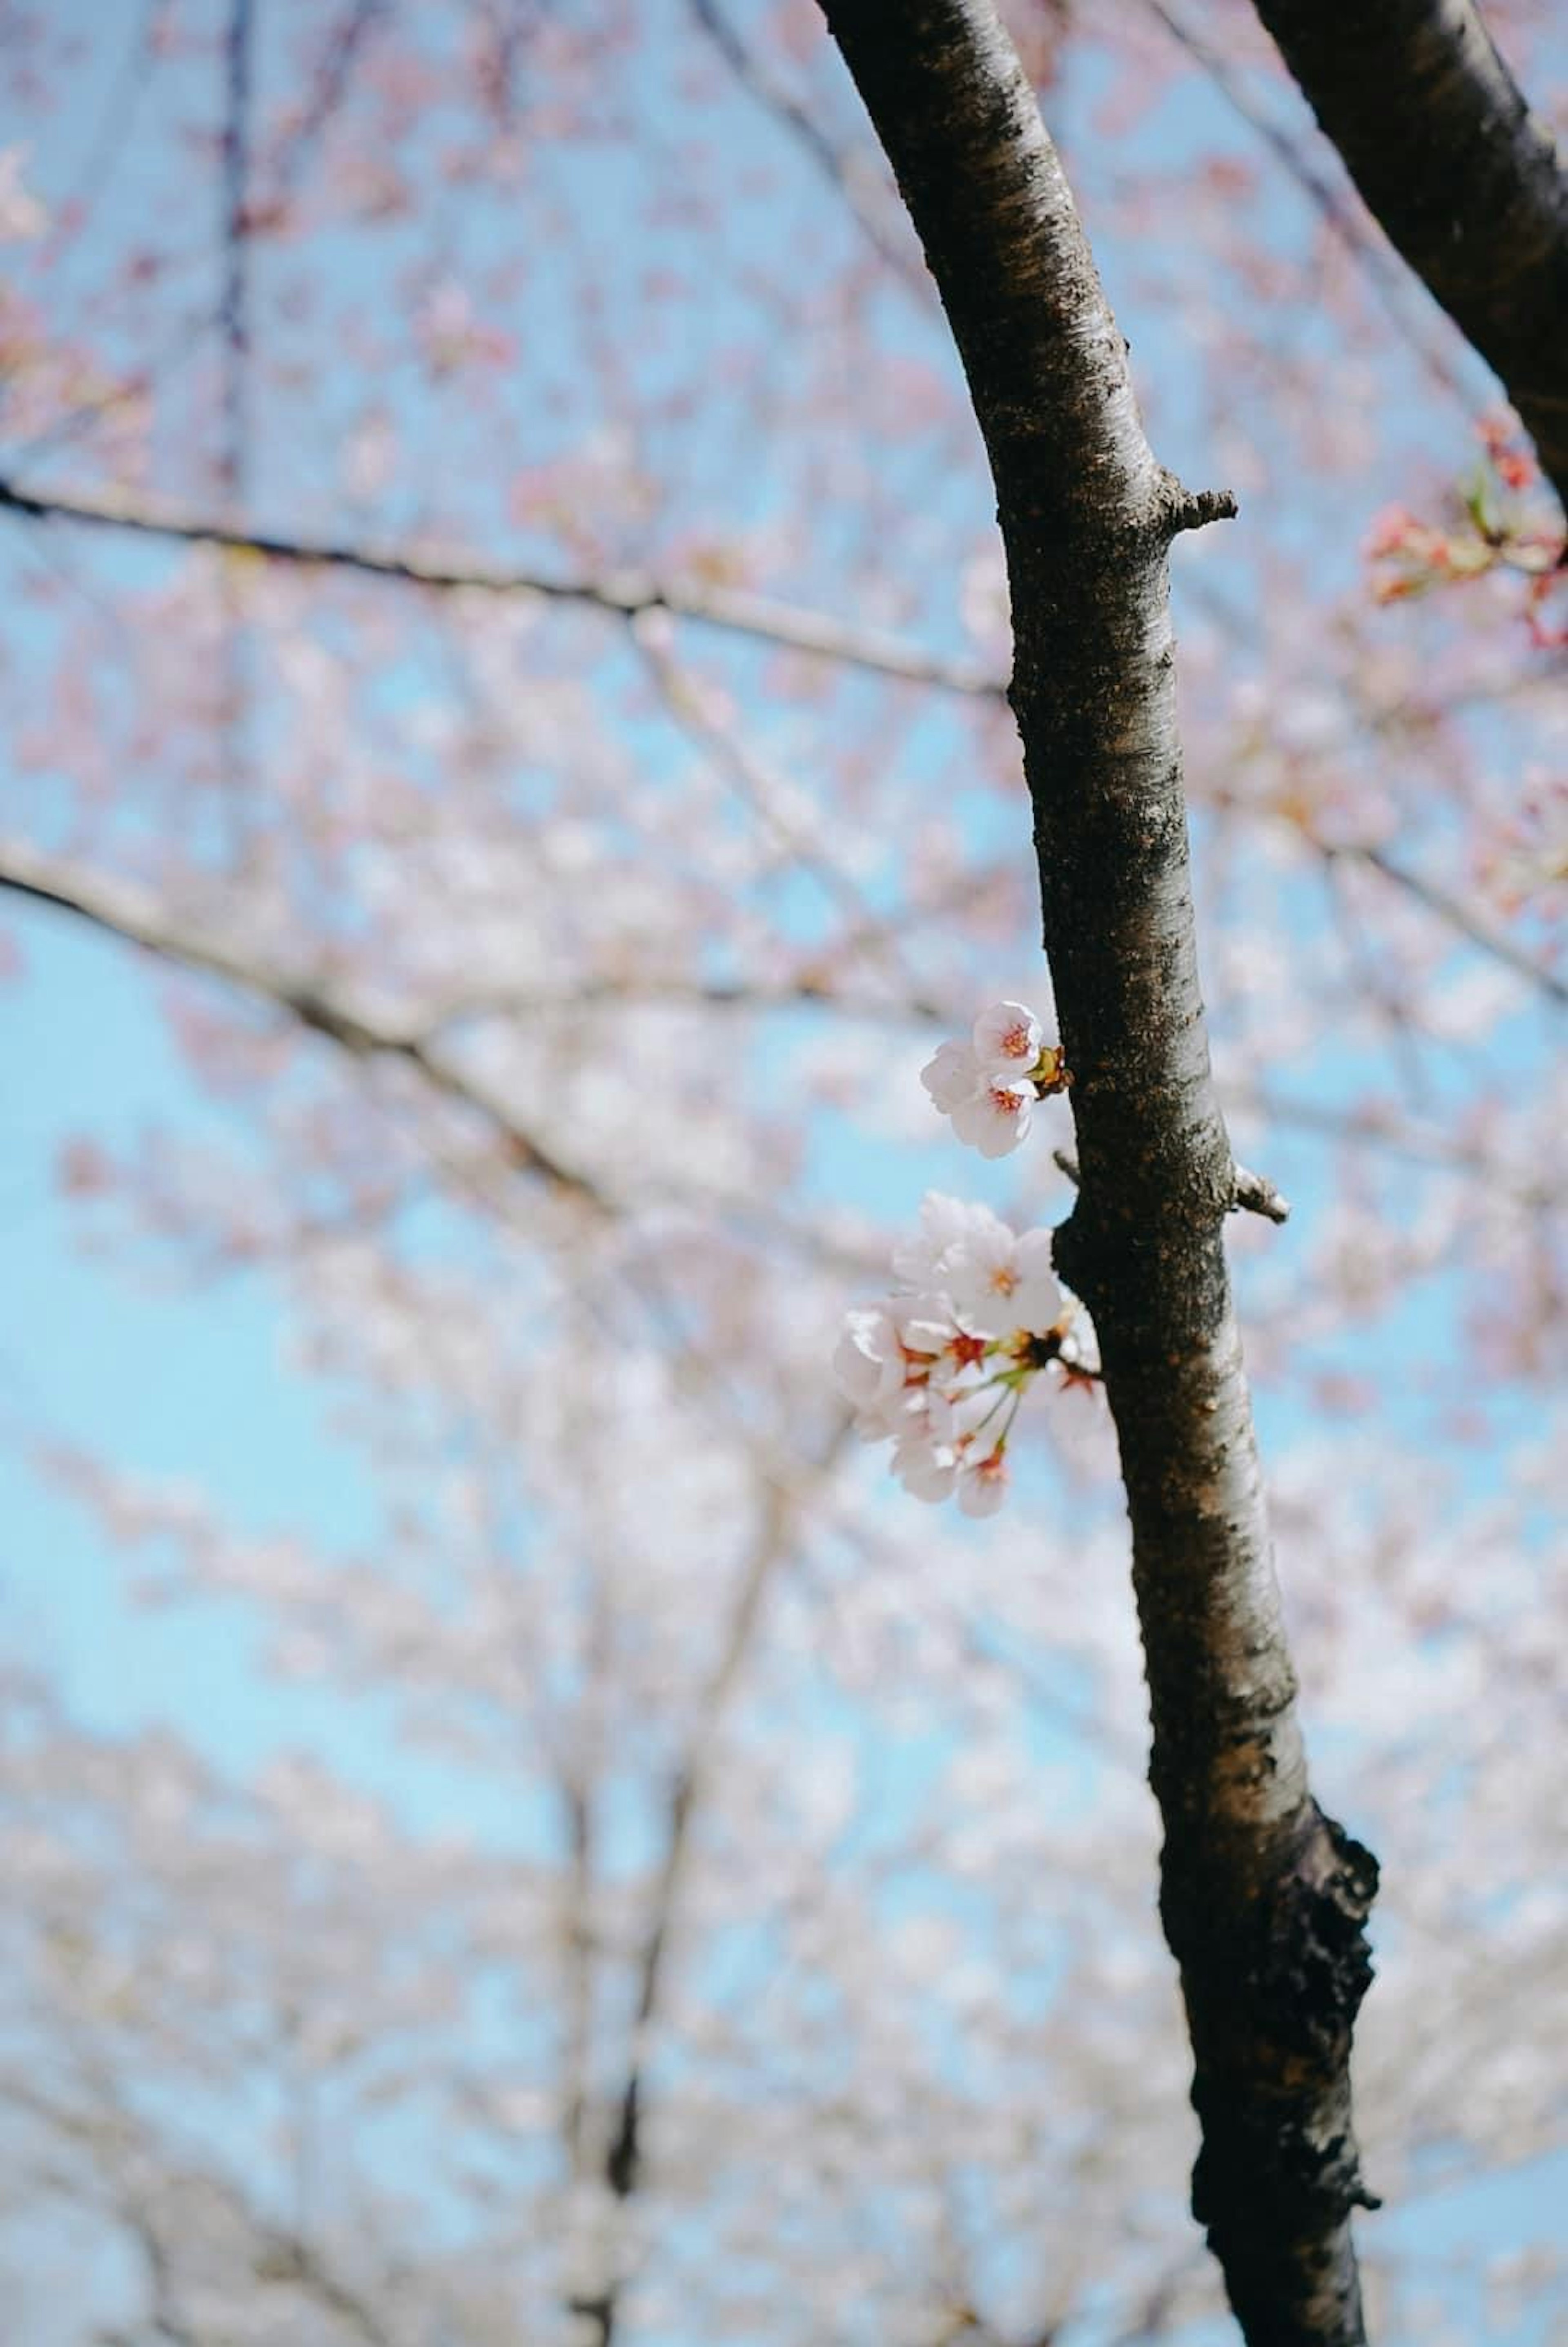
point(982, 1485)
point(996, 1119)
point(933, 1324)
point(926, 1452)
point(1000, 1277)
point(1008, 1040)
point(927, 1469)
point(945, 1225)
point(952, 1076)
point(869, 1363)
point(957, 1336)
point(989, 1085)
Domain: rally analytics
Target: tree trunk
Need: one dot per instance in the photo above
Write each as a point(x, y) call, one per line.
point(1263, 1898)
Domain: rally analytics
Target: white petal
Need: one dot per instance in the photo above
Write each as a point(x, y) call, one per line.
point(867, 1363)
point(1007, 1039)
point(952, 1076)
point(982, 1490)
point(994, 1122)
point(944, 1223)
point(927, 1471)
point(1036, 1299)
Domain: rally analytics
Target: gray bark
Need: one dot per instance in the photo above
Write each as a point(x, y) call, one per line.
point(1263, 1898)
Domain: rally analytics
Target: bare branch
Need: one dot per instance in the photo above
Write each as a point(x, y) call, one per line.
point(341, 54)
point(1338, 213)
point(114, 2140)
point(837, 170)
point(1259, 1196)
point(124, 910)
point(1248, 1191)
point(1466, 923)
point(763, 794)
point(624, 596)
point(234, 253)
point(688, 1785)
point(115, 124)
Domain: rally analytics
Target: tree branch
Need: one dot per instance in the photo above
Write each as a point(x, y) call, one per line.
point(1465, 923)
point(1251, 1193)
point(117, 2144)
point(341, 54)
point(837, 169)
point(234, 255)
point(121, 910)
point(124, 910)
point(625, 596)
point(1338, 213)
point(689, 1783)
point(1263, 1898)
point(1459, 175)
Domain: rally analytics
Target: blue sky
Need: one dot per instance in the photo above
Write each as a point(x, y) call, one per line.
point(194, 1384)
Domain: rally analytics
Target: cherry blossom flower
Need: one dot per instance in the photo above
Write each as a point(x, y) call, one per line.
point(925, 1453)
point(989, 1085)
point(994, 1278)
point(945, 1225)
point(996, 1121)
point(869, 1363)
point(996, 1274)
point(1007, 1039)
point(939, 1367)
point(927, 1469)
point(929, 1328)
point(951, 1077)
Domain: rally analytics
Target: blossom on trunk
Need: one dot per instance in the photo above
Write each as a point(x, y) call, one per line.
point(1006, 1040)
point(995, 1118)
point(952, 1076)
point(940, 1367)
point(989, 1085)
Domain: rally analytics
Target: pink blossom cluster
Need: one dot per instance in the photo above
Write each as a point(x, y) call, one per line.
point(940, 1367)
point(989, 1085)
point(1493, 528)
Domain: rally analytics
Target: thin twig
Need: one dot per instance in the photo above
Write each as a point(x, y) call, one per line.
point(1469, 925)
point(624, 595)
point(234, 253)
point(839, 169)
point(125, 911)
point(1342, 219)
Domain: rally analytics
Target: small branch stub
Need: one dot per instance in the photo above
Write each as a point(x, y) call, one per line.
point(1195, 508)
point(1257, 1196)
point(1251, 1193)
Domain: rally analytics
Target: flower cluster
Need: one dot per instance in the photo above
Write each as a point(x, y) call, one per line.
point(1493, 526)
point(940, 1367)
point(989, 1085)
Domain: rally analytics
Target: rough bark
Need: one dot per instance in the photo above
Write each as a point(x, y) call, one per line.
point(1461, 177)
point(1263, 1899)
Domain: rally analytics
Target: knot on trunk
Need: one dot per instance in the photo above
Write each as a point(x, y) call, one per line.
point(1271, 2083)
point(1317, 1965)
